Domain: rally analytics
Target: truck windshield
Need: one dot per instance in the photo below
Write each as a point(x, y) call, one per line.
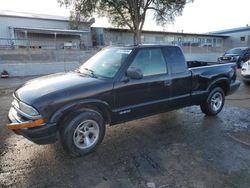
point(237, 51)
point(105, 63)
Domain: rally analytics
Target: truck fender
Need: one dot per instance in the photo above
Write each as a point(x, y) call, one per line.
point(220, 82)
point(103, 108)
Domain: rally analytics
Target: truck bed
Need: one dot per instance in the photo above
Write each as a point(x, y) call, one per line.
point(205, 73)
point(192, 64)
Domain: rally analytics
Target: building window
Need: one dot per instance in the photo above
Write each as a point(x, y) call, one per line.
point(199, 41)
point(142, 38)
point(159, 39)
point(242, 39)
point(209, 41)
point(179, 41)
point(170, 39)
point(219, 41)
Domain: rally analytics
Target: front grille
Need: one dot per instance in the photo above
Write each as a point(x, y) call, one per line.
point(247, 76)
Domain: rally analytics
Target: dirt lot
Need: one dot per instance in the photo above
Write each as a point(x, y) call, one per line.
point(182, 148)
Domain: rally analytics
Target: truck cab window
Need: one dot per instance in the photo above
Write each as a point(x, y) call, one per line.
point(150, 62)
point(176, 60)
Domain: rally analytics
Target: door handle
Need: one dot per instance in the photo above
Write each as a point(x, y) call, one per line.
point(167, 82)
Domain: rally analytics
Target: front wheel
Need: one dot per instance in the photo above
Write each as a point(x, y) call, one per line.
point(214, 103)
point(80, 134)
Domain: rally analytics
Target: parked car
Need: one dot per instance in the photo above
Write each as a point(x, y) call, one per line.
point(245, 72)
point(238, 55)
point(116, 85)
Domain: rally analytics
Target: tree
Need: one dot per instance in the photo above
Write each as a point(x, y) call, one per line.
point(127, 13)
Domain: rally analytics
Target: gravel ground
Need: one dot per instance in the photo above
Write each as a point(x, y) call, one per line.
point(182, 148)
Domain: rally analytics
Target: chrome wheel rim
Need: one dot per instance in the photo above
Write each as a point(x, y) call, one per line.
point(86, 134)
point(216, 101)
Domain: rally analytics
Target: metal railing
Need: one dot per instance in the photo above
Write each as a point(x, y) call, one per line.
point(33, 57)
point(23, 50)
point(6, 43)
point(29, 50)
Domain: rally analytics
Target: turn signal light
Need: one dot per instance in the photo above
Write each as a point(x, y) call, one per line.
point(27, 124)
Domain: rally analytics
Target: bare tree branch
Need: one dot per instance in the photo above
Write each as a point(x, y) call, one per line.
point(130, 13)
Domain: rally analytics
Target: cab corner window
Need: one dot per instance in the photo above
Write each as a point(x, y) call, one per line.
point(150, 62)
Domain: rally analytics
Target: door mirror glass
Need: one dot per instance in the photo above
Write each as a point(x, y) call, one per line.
point(134, 73)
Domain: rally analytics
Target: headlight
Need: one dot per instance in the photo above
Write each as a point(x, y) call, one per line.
point(235, 58)
point(15, 103)
point(26, 109)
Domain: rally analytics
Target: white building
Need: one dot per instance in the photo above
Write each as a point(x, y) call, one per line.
point(238, 37)
point(107, 36)
point(20, 29)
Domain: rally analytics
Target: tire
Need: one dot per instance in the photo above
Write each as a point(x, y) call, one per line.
point(239, 64)
point(81, 133)
point(214, 102)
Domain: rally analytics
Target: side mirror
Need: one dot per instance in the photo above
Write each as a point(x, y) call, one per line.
point(134, 73)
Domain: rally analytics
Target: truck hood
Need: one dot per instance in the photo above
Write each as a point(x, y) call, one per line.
point(231, 55)
point(55, 87)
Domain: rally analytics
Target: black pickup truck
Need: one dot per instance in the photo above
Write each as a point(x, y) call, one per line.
point(117, 84)
point(238, 55)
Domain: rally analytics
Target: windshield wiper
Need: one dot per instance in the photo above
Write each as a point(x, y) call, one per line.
point(92, 73)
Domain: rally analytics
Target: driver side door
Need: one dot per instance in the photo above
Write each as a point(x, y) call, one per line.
point(149, 95)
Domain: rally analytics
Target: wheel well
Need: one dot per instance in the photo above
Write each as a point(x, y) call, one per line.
point(222, 84)
point(101, 109)
point(98, 108)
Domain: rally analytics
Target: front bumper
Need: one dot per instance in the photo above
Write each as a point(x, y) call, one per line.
point(43, 134)
point(234, 86)
point(246, 78)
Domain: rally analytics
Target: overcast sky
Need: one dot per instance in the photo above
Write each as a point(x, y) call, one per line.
point(200, 16)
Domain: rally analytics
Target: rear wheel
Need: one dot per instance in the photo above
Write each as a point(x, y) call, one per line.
point(214, 103)
point(80, 134)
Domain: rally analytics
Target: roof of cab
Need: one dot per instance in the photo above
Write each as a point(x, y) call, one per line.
point(141, 46)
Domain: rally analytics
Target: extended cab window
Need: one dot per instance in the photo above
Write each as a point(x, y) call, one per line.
point(150, 62)
point(175, 59)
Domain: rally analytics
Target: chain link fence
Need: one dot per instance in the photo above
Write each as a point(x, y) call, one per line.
point(66, 51)
point(23, 50)
point(22, 57)
point(202, 53)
